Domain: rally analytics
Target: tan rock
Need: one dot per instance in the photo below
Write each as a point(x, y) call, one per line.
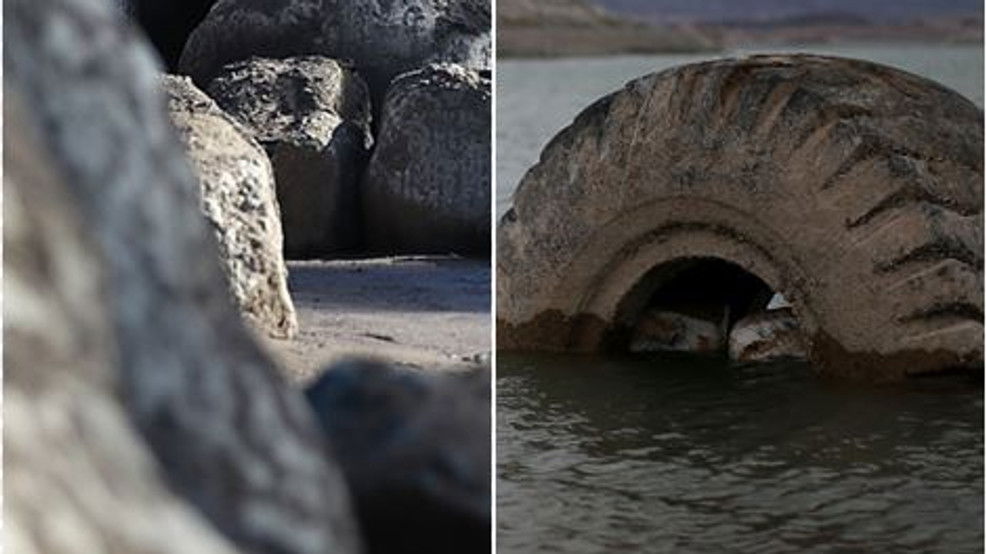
point(238, 199)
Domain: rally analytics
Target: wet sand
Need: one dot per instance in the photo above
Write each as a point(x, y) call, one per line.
point(427, 312)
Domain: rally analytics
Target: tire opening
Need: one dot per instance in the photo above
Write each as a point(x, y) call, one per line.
point(706, 295)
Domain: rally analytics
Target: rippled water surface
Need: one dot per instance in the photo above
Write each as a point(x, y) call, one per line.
point(684, 454)
point(537, 98)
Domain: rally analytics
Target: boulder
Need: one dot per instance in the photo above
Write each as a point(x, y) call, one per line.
point(382, 38)
point(238, 200)
point(767, 336)
point(312, 115)
point(427, 188)
point(231, 439)
point(77, 475)
point(660, 330)
point(415, 449)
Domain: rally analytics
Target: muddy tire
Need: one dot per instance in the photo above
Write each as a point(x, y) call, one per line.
point(854, 189)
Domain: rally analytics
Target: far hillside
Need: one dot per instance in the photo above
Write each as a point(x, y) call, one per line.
point(736, 22)
point(532, 28)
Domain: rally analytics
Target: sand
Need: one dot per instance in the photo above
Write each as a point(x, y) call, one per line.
point(426, 312)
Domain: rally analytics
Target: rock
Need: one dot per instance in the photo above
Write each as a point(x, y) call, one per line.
point(658, 331)
point(815, 174)
point(767, 336)
point(77, 476)
point(231, 439)
point(167, 24)
point(238, 200)
point(313, 117)
point(427, 188)
point(777, 302)
point(382, 38)
point(416, 451)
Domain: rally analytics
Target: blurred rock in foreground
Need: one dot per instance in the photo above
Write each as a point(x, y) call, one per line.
point(415, 448)
point(232, 440)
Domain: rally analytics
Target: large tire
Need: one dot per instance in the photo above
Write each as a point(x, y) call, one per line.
point(854, 189)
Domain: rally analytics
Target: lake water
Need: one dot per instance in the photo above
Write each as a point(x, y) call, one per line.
point(675, 454)
point(686, 454)
point(538, 98)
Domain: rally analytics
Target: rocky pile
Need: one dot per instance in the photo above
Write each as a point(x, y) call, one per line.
point(383, 39)
point(143, 416)
point(313, 117)
point(306, 78)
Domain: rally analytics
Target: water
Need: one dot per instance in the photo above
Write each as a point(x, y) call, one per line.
point(690, 455)
point(682, 454)
point(537, 98)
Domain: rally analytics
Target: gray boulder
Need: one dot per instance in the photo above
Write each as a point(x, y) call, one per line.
point(381, 37)
point(427, 188)
point(77, 475)
point(415, 449)
point(313, 116)
point(238, 200)
point(231, 439)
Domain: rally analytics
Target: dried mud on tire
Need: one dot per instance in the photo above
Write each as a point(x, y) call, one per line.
point(852, 188)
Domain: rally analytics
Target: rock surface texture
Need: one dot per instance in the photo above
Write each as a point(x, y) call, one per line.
point(427, 188)
point(415, 448)
point(77, 476)
point(853, 189)
point(238, 200)
point(382, 38)
point(767, 336)
point(229, 436)
point(313, 117)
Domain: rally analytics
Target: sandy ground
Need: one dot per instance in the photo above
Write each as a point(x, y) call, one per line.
point(429, 312)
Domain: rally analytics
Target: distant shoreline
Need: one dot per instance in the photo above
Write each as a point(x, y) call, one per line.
point(574, 41)
point(551, 41)
point(733, 48)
